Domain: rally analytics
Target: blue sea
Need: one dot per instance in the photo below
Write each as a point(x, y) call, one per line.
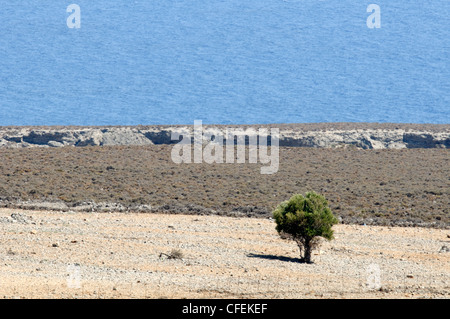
point(224, 62)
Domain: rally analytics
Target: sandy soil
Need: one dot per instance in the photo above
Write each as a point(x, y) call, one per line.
point(118, 255)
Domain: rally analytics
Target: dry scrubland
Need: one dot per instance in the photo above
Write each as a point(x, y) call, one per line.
point(377, 187)
point(110, 222)
point(118, 255)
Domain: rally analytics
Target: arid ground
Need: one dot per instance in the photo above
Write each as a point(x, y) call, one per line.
point(409, 187)
point(127, 222)
point(132, 255)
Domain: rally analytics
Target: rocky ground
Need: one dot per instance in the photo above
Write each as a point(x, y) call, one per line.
point(117, 218)
point(329, 135)
point(48, 254)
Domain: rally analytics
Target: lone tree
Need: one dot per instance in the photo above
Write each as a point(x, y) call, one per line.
point(304, 219)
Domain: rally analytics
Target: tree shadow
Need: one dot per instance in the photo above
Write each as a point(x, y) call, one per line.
point(274, 257)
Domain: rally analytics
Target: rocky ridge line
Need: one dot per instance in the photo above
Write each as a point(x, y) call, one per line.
point(381, 137)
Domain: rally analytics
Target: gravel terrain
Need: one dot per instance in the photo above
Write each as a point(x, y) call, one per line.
point(51, 254)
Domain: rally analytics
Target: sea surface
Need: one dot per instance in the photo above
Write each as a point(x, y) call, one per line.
point(224, 62)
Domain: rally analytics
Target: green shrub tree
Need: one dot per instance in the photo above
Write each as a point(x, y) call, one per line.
point(305, 219)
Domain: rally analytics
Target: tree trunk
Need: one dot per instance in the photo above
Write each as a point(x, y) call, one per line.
point(307, 257)
point(300, 247)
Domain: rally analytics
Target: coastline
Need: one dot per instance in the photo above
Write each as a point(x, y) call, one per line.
point(318, 135)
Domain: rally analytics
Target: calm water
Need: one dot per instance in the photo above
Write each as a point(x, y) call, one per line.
point(223, 62)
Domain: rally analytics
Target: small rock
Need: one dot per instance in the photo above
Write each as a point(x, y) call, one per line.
point(409, 276)
point(33, 232)
point(55, 245)
point(20, 218)
point(444, 249)
point(55, 144)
